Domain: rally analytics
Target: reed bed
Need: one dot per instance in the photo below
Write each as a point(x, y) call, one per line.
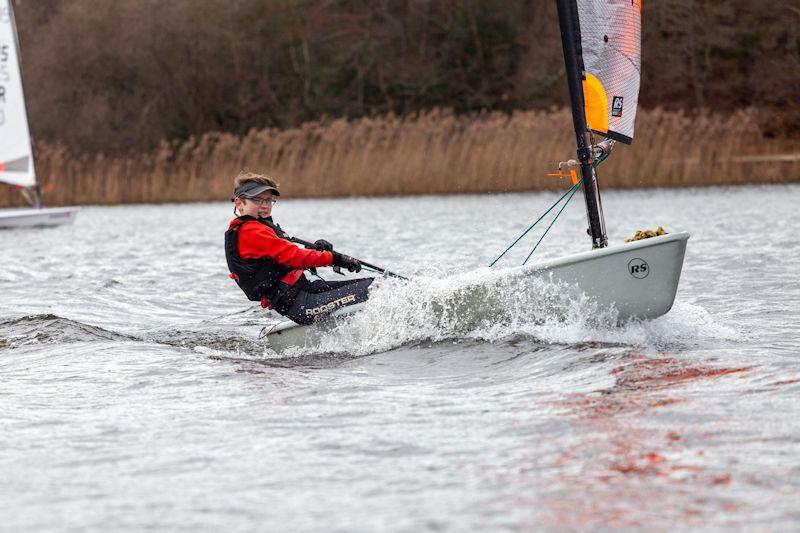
point(431, 153)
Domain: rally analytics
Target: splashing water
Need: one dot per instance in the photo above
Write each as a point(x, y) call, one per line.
point(487, 305)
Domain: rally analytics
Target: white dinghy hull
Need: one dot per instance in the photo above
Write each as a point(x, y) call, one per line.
point(639, 279)
point(45, 217)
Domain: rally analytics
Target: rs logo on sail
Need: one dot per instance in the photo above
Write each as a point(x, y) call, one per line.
point(638, 268)
point(616, 106)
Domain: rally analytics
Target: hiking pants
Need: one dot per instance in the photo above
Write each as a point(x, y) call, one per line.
point(318, 299)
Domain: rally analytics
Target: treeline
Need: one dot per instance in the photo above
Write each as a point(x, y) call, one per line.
point(106, 76)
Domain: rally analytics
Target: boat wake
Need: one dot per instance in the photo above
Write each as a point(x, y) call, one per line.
point(478, 307)
point(207, 339)
point(484, 305)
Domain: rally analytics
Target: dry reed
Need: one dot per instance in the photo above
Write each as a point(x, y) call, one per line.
point(431, 153)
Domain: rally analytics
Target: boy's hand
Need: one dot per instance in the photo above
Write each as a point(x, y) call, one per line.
point(350, 263)
point(323, 246)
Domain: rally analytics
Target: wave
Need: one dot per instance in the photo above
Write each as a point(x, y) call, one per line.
point(210, 340)
point(51, 329)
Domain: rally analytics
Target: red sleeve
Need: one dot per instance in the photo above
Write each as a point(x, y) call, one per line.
point(257, 240)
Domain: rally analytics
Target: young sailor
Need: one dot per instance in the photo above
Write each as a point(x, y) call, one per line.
point(269, 267)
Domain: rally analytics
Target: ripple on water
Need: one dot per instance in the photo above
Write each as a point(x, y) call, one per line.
point(140, 397)
point(51, 329)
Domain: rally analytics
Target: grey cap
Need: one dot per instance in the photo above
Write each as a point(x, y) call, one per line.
point(251, 189)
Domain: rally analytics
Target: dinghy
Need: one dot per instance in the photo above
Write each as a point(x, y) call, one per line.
point(16, 156)
point(601, 40)
point(637, 279)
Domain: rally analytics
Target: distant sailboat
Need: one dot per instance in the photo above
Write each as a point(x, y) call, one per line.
point(16, 155)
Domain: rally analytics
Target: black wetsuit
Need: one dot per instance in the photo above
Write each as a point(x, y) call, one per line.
point(310, 301)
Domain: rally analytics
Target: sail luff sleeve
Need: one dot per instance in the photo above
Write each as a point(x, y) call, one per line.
point(571, 43)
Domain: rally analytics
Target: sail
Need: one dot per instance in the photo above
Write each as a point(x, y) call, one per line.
point(611, 43)
point(16, 157)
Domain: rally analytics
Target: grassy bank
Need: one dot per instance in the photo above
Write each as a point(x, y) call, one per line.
point(436, 152)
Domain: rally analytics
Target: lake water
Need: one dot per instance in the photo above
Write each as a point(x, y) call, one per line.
point(136, 394)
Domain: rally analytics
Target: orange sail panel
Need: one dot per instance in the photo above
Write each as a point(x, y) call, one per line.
point(595, 102)
point(611, 43)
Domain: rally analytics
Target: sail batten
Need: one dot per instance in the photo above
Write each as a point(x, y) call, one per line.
point(16, 155)
point(610, 39)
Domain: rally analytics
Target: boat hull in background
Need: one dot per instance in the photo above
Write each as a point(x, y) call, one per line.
point(639, 279)
point(45, 217)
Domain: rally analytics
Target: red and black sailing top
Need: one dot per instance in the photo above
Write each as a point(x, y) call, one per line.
point(263, 261)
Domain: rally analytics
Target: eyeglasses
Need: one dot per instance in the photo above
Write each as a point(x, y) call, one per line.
point(262, 201)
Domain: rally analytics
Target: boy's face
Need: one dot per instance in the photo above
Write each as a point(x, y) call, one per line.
point(259, 207)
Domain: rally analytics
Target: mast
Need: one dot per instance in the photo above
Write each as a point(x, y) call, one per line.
point(573, 61)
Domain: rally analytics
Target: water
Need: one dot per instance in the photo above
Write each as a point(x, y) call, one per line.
point(136, 394)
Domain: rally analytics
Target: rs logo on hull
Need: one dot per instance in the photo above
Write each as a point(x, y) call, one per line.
point(638, 268)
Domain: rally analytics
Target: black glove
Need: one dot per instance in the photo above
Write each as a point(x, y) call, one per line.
point(345, 261)
point(323, 246)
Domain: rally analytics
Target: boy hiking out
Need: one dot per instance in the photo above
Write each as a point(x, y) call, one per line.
point(269, 267)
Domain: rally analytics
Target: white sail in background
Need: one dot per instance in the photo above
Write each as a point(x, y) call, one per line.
point(611, 42)
point(16, 156)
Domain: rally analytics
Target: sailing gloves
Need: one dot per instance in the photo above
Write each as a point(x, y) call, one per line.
point(323, 246)
point(339, 260)
point(345, 261)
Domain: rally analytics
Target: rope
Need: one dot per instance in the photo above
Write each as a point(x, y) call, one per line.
point(314, 273)
point(368, 269)
point(574, 190)
point(570, 192)
point(646, 234)
point(603, 157)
